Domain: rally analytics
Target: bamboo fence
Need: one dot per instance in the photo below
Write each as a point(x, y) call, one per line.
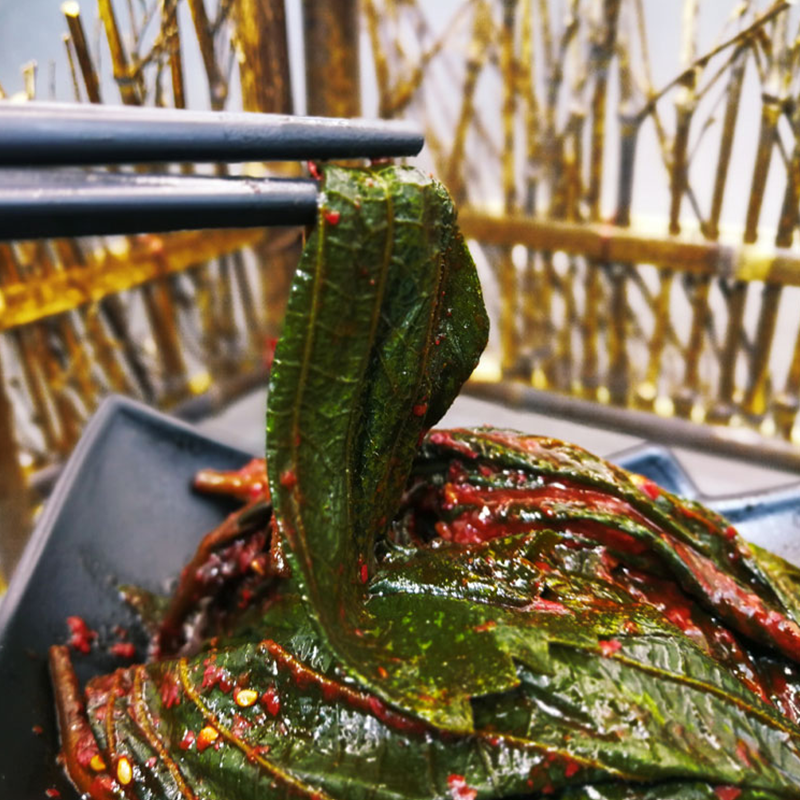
point(536, 113)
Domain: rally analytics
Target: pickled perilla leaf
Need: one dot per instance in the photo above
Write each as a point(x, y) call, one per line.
point(468, 614)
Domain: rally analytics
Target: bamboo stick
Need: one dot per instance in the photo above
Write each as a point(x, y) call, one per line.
point(734, 93)
point(531, 309)
point(476, 60)
point(686, 397)
point(604, 39)
point(770, 113)
point(679, 181)
point(107, 351)
point(110, 272)
point(264, 51)
point(217, 85)
point(73, 70)
point(684, 107)
point(28, 359)
point(786, 404)
point(610, 243)
point(71, 10)
point(757, 391)
point(130, 88)
point(330, 33)
point(14, 519)
point(507, 277)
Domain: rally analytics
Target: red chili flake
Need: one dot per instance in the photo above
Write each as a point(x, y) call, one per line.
point(571, 769)
point(82, 635)
point(489, 625)
point(52, 792)
point(288, 478)
point(151, 762)
point(652, 490)
point(271, 701)
point(680, 616)
point(730, 532)
point(187, 741)
point(459, 789)
point(211, 675)
point(630, 626)
point(743, 753)
point(270, 343)
point(609, 647)
point(170, 691)
point(313, 170)
point(38, 730)
point(225, 682)
point(122, 650)
point(548, 789)
point(382, 672)
point(727, 792)
point(364, 573)
point(253, 755)
point(332, 216)
point(420, 410)
point(246, 597)
point(548, 606)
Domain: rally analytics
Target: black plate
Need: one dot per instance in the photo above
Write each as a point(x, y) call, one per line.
point(123, 512)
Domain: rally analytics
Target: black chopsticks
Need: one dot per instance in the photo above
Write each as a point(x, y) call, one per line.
point(60, 134)
point(38, 204)
point(37, 201)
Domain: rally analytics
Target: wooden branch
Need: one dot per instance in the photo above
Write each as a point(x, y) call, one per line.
point(108, 272)
point(611, 243)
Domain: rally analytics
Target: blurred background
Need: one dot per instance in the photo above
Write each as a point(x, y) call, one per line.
point(627, 173)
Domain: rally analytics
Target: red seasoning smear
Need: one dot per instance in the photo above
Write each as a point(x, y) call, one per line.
point(288, 478)
point(333, 691)
point(652, 490)
point(170, 691)
point(187, 741)
point(82, 635)
point(459, 789)
point(727, 792)
point(446, 439)
point(52, 793)
point(122, 650)
point(609, 646)
point(332, 217)
point(271, 701)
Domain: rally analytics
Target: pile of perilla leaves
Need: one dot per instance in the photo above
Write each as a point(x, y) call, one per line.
point(407, 614)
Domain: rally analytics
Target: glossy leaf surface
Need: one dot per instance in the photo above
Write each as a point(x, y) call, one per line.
point(471, 614)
